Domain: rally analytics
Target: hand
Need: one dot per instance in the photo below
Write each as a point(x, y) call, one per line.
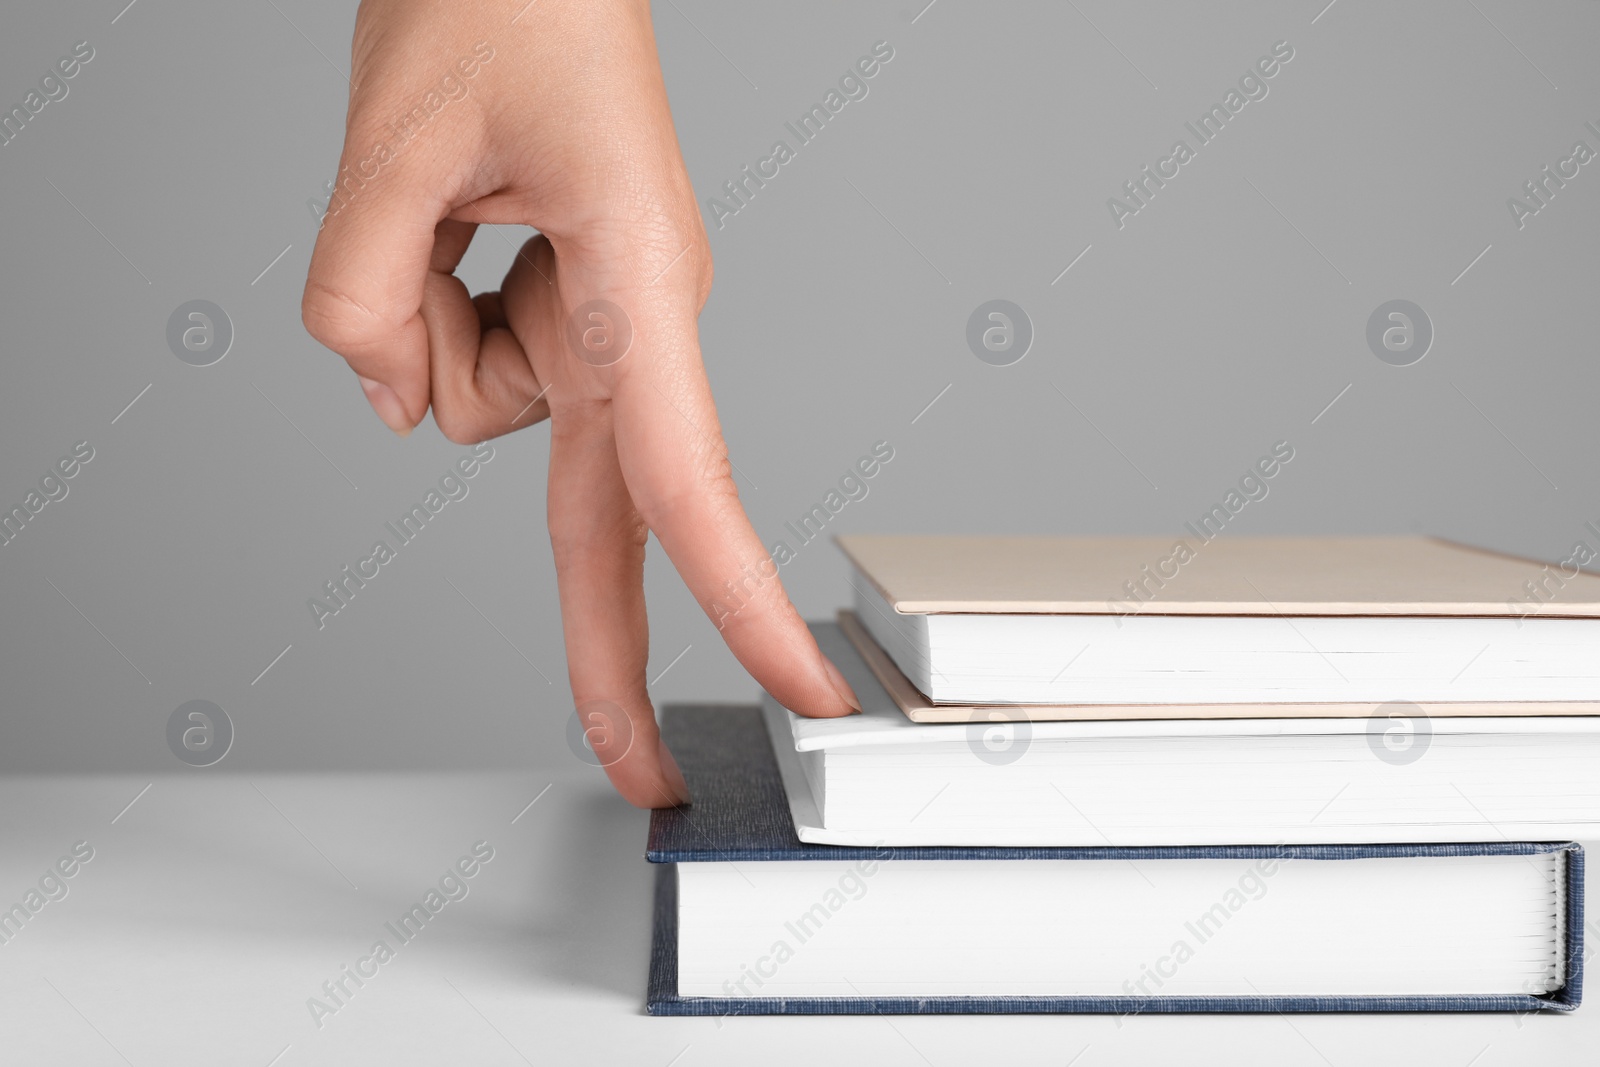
point(554, 115)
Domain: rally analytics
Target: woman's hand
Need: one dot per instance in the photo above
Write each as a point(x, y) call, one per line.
point(553, 114)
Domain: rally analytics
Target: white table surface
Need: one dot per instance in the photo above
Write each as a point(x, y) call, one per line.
point(217, 904)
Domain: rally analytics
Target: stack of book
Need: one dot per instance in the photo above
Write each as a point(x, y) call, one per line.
point(1127, 775)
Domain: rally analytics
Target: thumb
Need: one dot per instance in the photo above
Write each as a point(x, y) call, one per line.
point(368, 272)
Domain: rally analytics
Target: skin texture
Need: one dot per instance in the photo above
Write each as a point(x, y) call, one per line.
point(564, 127)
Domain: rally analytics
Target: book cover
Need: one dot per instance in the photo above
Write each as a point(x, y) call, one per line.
point(929, 574)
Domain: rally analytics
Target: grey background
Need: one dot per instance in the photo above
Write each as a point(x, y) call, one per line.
point(1223, 318)
point(1226, 316)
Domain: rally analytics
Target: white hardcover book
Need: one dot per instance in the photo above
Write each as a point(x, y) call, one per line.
point(1396, 776)
point(1145, 621)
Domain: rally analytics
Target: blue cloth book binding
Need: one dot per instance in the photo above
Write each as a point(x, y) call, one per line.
point(740, 814)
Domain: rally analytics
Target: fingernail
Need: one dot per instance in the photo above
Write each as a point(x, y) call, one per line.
point(386, 402)
point(841, 686)
point(672, 773)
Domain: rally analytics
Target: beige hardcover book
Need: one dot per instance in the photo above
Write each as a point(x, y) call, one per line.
point(919, 708)
point(1227, 576)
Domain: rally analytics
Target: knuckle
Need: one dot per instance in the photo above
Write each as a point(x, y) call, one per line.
point(455, 430)
point(711, 489)
point(662, 241)
point(458, 417)
point(576, 538)
point(341, 322)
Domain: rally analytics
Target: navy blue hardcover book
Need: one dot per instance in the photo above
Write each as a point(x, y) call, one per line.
point(740, 818)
